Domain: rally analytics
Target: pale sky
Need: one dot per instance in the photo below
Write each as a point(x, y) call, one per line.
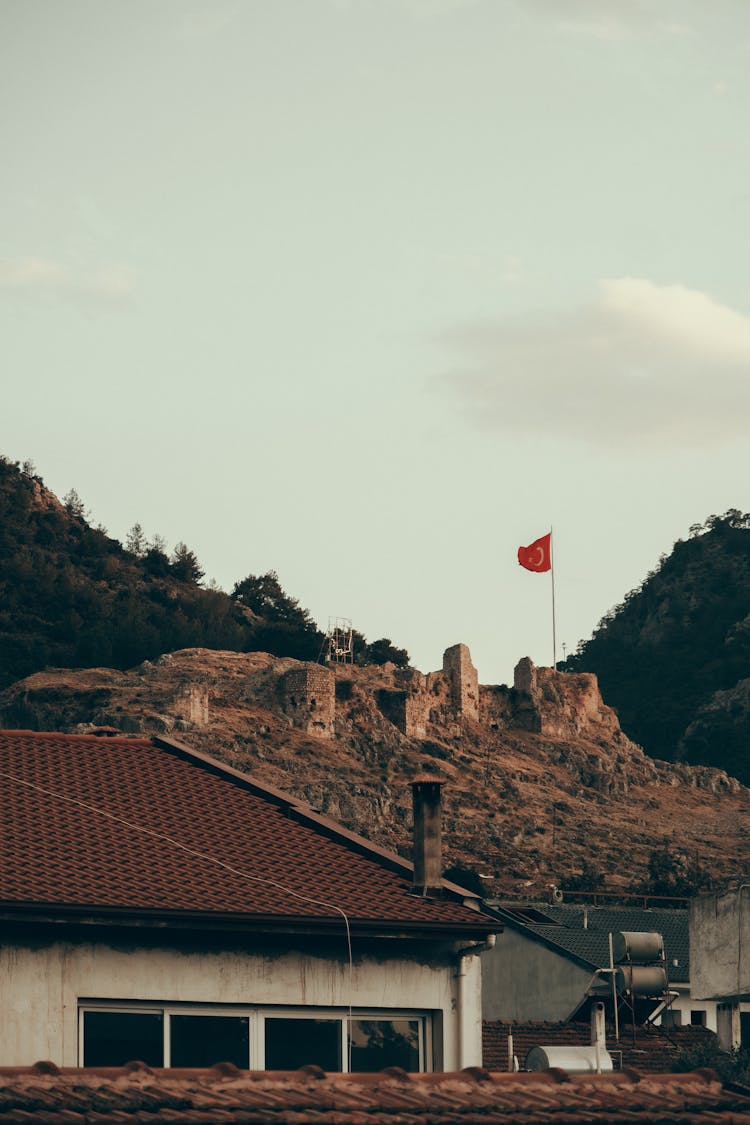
point(372, 292)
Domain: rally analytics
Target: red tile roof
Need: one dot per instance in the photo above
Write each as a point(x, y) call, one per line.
point(136, 1095)
point(140, 824)
point(653, 1050)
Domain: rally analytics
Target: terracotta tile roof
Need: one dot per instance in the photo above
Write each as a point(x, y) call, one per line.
point(653, 1050)
point(310, 1097)
point(73, 812)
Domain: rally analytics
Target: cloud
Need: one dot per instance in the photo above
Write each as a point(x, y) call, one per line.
point(603, 19)
point(641, 365)
point(42, 277)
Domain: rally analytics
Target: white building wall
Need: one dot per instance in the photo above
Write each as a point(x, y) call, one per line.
point(40, 991)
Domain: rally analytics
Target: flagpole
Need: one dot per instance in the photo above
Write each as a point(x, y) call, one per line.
point(552, 574)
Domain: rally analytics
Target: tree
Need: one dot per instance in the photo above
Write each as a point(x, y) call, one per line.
point(264, 595)
point(285, 628)
point(135, 541)
point(185, 565)
point(158, 543)
point(384, 651)
point(672, 874)
point(74, 504)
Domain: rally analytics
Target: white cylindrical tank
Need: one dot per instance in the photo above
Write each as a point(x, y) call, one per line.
point(575, 1060)
point(637, 946)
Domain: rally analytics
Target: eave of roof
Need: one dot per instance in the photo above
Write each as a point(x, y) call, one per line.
point(202, 921)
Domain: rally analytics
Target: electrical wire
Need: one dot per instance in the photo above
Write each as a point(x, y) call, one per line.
point(208, 859)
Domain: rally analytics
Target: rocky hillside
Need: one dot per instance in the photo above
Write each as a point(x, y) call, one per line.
point(674, 657)
point(542, 786)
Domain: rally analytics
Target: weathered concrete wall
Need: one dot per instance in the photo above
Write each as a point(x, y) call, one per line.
point(464, 681)
point(309, 698)
point(523, 980)
point(42, 985)
point(720, 945)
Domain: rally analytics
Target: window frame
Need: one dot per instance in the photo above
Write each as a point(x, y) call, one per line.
point(256, 1016)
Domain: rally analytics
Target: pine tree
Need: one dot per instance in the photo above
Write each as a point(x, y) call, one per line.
point(185, 565)
point(135, 541)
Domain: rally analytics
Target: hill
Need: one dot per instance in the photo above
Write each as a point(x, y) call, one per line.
point(72, 596)
point(674, 657)
point(542, 787)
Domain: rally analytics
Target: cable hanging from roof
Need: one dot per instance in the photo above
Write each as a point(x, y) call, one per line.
point(204, 856)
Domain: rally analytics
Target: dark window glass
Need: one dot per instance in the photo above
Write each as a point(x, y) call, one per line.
point(205, 1040)
point(376, 1044)
point(291, 1044)
point(116, 1038)
point(698, 1016)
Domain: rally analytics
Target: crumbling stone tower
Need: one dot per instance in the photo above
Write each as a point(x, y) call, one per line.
point(463, 681)
point(309, 698)
point(527, 713)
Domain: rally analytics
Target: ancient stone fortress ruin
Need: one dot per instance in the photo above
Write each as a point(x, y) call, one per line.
point(309, 695)
point(541, 700)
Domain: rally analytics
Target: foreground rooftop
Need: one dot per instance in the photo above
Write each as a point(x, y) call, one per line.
point(136, 1094)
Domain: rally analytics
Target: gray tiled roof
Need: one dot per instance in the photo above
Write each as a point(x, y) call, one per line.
point(583, 931)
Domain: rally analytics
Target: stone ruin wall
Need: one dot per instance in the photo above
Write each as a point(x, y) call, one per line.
point(561, 704)
point(463, 680)
point(309, 699)
point(541, 701)
point(526, 712)
point(191, 705)
point(439, 698)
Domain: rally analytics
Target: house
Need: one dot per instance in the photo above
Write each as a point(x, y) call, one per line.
point(552, 957)
point(159, 905)
point(720, 950)
point(137, 1095)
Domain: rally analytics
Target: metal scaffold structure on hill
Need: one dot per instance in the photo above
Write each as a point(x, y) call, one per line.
point(340, 641)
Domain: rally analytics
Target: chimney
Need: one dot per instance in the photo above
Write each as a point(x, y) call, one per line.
point(428, 849)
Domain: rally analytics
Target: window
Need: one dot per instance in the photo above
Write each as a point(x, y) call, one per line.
point(292, 1043)
point(698, 1017)
point(182, 1035)
point(376, 1044)
point(114, 1038)
point(203, 1040)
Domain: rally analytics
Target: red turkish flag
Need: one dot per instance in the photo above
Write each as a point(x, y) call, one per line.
point(538, 555)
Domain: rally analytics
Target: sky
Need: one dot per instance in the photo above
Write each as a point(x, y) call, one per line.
point(373, 292)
